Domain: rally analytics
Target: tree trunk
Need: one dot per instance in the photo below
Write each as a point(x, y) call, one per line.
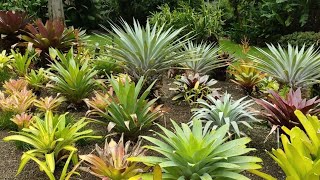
point(55, 9)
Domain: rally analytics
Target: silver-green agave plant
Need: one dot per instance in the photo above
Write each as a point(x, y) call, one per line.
point(146, 51)
point(226, 111)
point(292, 66)
point(203, 57)
point(199, 153)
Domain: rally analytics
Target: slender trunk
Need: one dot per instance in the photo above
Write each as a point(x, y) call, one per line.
point(55, 10)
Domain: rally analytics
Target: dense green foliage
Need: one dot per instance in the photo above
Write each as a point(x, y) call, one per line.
point(301, 38)
point(203, 24)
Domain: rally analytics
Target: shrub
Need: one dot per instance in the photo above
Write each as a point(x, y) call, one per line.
point(129, 112)
point(112, 161)
point(294, 67)
point(192, 87)
point(50, 138)
point(145, 51)
point(200, 153)
point(204, 58)
point(203, 24)
point(299, 158)
point(280, 111)
point(72, 77)
point(35, 8)
point(226, 111)
point(300, 38)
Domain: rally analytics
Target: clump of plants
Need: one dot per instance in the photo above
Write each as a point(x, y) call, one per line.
point(294, 66)
point(145, 51)
point(246, 76)
point(72, 76)
point(112, 161)
point(52, 140)
point(129, 111)
point(280, 110)
point(299, 158)
point(224, 110)
point(199, 152)
point(203, 58)
point(193, 86)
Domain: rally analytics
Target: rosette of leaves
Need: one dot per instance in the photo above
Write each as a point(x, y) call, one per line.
point(193, 86)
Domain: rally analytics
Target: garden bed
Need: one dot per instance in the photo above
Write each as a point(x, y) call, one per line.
point(178, 111)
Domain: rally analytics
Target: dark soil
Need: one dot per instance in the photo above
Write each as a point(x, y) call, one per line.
point(178, 111)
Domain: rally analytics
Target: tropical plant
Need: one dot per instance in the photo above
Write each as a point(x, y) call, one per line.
point(112, 163)
point(280, 111)
point(200, 153)
point(300, 39)
point(99, 102)
point(37, 78)
point(202, 24)
point(49, 103)
point(145, 51)
point(11, 22)
point(299, 158)
point(21, 62)
point(16, 97)
point(5, 60)
point(71, 77)
point(246, 76)
point(294, 67)
point(193, 86)
point(268, 83)
point(129, 111)
point(13, 85)
point(203, 58)
point(226, 111)
point(50, 138)
point(22, 120)
point(52, 34)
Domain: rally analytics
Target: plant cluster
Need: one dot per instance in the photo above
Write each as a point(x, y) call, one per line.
point(280, 111)
point(203, 23)
point(224, 110)
point(193, 86)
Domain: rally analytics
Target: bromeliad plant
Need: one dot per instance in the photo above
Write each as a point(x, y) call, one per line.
point(246, 76)
point(51, 34)
point(22, 120)
point(16, 98)
point(37, 78)
point(12, 22)
point(112, 163)
point(200, 153)
point(294, 67)
point(280, 111)
point(21, 62)
point(193, 86)
point(146, 51)
point(49, 103)
point(129, 111)
point(203, 58)
point(226, 111)
point(71, 77)
point(300, 157)
point(51, 139)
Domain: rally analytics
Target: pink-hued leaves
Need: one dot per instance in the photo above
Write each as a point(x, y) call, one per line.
point(280, 111)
